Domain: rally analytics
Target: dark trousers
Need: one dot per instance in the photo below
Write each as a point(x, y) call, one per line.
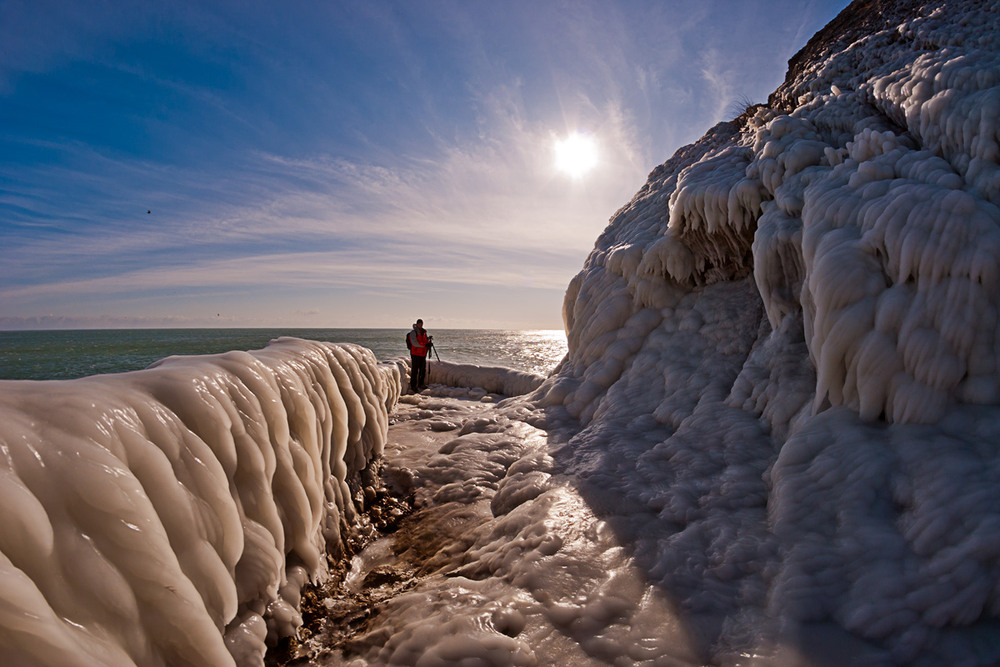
point(418, 372)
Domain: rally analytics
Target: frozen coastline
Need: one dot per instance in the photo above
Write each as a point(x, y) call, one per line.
point(772, 441)
point(779, 405)
point(172, 515)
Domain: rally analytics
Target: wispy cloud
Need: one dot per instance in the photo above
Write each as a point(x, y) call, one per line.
point(491, 196)
point(348, 155)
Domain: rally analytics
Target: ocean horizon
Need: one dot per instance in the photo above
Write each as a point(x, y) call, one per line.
point(63, 354)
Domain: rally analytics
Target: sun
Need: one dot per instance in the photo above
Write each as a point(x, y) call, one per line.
point(576, 154)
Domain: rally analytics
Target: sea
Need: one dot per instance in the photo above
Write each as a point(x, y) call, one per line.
point(68, 354)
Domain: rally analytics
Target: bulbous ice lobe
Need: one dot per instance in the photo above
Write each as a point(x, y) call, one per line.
point(170, 516)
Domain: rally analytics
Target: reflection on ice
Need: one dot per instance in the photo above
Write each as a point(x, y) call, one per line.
point(377, 554)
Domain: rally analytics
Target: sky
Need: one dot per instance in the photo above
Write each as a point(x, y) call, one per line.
point(346, 164)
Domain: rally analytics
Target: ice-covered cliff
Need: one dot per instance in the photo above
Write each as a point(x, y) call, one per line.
point(783, 352)
point(171, 516)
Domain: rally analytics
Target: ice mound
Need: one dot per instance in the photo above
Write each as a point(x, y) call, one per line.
point(488, 379)
point(171, 516)
point(783, 379)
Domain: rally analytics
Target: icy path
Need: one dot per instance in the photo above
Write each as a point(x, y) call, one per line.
point(502, 561)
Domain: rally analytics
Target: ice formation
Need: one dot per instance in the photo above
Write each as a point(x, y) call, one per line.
point(784, 357)
point(171, 516)
point(772, 441)
point(504, 381)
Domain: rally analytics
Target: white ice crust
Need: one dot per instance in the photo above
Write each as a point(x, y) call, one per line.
point(171, 516)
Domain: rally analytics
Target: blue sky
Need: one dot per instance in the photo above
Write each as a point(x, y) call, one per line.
point(342, 164)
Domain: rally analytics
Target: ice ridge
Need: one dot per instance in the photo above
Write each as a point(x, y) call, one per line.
point(171, 516)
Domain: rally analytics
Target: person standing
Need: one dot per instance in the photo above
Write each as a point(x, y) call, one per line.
point(419, 344)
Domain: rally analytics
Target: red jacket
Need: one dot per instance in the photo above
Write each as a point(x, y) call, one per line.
point(417, 341)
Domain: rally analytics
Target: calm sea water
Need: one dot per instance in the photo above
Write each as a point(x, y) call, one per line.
point(60, 355)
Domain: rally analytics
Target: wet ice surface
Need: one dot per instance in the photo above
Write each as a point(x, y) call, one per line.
point(503, 560)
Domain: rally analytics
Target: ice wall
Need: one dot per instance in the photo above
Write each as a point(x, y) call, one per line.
point(170, 516)
point(783, 354)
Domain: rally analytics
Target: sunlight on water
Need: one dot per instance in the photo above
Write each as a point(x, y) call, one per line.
point(531, 351)
point(46, 355)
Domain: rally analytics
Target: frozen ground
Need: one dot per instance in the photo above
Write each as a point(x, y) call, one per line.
point(502, 561)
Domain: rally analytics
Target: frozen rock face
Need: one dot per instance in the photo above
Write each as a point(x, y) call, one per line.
point(171, 516)
point(783, 353)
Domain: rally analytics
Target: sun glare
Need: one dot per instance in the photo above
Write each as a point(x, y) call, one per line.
point(576, 155)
